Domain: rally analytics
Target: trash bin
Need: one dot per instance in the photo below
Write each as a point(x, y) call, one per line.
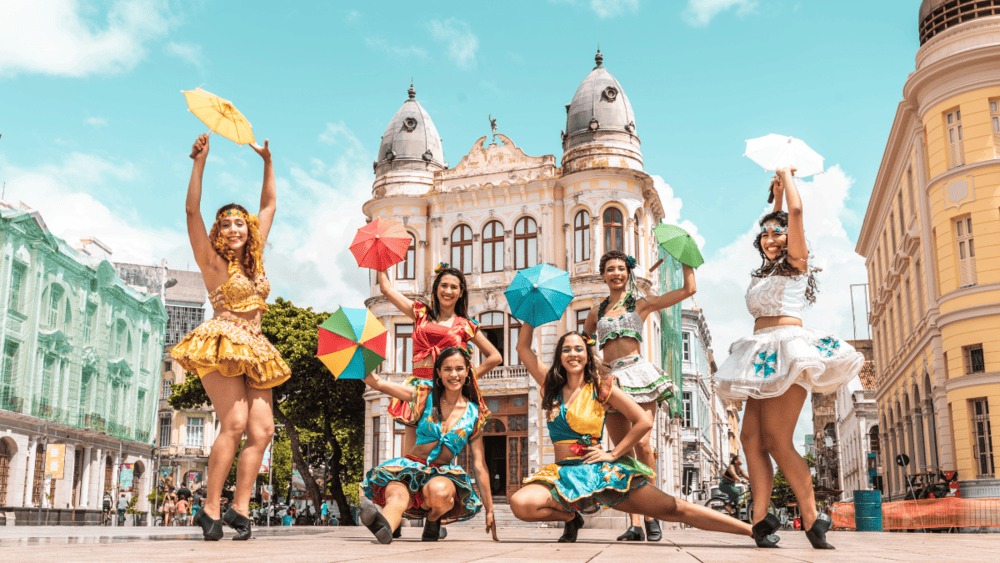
point(868, 511)
point(287, 520)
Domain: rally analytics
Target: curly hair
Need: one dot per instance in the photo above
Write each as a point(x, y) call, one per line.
point(253, 251)
point(468, 391)
point(461, 305)
point(780, 265)
point(555, 379)
point(615, 255)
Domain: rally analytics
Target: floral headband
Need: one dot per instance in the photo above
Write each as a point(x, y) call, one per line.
point(588, 338)
point(232, 212)
point(441, 267)
point(631, 262)
point(774, 226)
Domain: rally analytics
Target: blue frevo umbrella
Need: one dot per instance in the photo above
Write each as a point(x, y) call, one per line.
point(539, 294)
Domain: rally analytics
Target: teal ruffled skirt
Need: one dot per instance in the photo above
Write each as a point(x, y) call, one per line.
point(587, 487)
point(415, 473)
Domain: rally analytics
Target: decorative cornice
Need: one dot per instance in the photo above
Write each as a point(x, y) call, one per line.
point(972, 380)
point(968, 313)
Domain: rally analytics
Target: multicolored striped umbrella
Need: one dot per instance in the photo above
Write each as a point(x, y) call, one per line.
point(380, 244)
point(351, 343)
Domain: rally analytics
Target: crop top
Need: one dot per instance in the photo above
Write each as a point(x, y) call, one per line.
point(582, 421)
point(467, 429)
point(431, 338)
point(627, 324)
point(777, 296)
point(239, 294)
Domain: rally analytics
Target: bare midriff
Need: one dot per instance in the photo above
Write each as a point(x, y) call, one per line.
point(620, 347)
point(252, 316)
point(769, 322)
point(562, 451)
point(423, 450)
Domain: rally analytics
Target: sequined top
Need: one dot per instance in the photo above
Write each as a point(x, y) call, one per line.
point(777, 296)
point(465, 430)
point(627, 324)
point(582, 420)
point(239, 294)
point(431, 338)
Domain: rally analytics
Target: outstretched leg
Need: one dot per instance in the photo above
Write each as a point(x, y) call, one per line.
point(654, 503)
point(758, 462)
point(778, 417)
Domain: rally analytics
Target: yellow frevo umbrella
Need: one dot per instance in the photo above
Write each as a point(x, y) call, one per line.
point(220, 115)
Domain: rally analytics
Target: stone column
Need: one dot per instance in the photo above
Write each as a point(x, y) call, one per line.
point(29, 476)
point(918, 437)
point(97, 478)
point(85, 478)
point(931, 418)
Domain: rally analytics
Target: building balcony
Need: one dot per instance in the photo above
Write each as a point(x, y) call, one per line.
point(899, 263)
point(911, 242)
point(506, 372)
point(11, 403)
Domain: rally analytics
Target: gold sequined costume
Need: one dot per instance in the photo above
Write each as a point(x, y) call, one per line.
point(234, 347)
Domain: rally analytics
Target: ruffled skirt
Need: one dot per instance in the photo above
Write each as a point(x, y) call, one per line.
point(406, 413)
point(641, 380)
point(233, 347)
point(415, 473)
point(768, 363)
point(586, 487)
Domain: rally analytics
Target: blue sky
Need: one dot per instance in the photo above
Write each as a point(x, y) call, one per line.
point(95, 132)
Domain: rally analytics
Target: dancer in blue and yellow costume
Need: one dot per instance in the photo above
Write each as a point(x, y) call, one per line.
point(585, 477)
point(424, 483)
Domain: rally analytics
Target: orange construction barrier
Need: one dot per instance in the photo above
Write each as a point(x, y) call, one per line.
point(948, 512)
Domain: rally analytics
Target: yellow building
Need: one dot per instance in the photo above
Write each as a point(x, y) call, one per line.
point(931, 239)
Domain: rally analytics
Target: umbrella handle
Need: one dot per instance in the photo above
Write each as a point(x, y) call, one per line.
point(657, 265)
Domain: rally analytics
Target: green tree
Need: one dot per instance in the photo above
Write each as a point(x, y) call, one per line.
point(782, 493)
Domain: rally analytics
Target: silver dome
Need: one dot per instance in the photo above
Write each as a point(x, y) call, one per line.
point(410, 142)
point(600, 104)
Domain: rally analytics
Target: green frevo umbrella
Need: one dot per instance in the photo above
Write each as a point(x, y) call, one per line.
point(679, 244)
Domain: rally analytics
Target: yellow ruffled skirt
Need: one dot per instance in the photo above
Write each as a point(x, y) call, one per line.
point(232, 347)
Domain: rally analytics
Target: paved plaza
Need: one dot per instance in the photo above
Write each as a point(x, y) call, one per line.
point(66, 544)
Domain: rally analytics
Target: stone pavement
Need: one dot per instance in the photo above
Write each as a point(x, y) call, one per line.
point(306, 544)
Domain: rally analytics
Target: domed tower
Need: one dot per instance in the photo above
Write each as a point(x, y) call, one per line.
point(600, 125)
point(937, 16)
point(410, 152)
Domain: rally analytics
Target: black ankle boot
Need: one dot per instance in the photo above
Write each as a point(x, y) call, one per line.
point(240, 523)
point(817, 534)
point(633, 533)
point(432, 530)
point(653, 532)
point(763, 531)
point(572, 529)
point(210, 528)
point(375, 522)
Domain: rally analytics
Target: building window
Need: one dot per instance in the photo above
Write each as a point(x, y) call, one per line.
point(195, 432)
point(164, 440)
point(919, 276)
point(8, 377)
point(404, 348)
point(953, 136)
point(406, 270)
point(613, 230)
point(909, 305)
point(36, 484)
point(376, 422)
point(686, 346)
point(899, 204)
point(491, 325)
point(688, 415)
point(892, 231)
point(914, 205)
point(899, 313)
point(581, 237)
point(17, 275)
point(966, 251)
point(165, 390)
point(635, 236)
point(5, 455)
point(982, 437)
point(461, 249)
point(119, 337)
point(88, 322)
point(525, 243)
point(493, 247)
point(180, 321)
point(55, 295)
point(974, 360)
point(398, 432)
point(581, 319)
point(995, 123)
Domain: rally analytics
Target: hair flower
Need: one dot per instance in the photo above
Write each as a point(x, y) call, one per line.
point(441, 267)
point(588, 338)
point(631, 262)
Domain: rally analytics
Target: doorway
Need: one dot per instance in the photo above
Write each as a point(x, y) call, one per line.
point(495, 449)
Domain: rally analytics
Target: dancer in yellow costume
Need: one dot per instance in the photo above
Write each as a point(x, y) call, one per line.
point(236, 363)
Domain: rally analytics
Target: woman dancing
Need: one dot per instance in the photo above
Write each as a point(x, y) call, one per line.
point(585, 477)
point(619, 336)
point(423, 483)
point(774, 369)
point(236, 364)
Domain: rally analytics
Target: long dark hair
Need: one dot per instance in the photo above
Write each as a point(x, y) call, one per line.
point(555, 379)
point(780, 265)
point(461, 305)
point(467, 389)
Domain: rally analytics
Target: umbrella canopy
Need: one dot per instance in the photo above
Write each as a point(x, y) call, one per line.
point(778, 151)
point(220, 115)
point(380, 244)
point(539, 294)
point(679, 244)
point(351, 343)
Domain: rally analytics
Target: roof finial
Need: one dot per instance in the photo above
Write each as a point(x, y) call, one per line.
point(411, 91)
point(599, 59)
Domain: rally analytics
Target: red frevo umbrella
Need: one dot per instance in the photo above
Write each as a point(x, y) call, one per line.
point(380, 244)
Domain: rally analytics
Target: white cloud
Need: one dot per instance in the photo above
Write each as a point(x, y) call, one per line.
point(186, 52)
point(700, 12)
point(614, 8)
point(96, 122)
point(353, 16)
point(63, 38)
point(383, 46)
point(672, 210)
point(462, 43)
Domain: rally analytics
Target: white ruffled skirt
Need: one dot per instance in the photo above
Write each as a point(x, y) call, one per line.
point(768, 363)
point(641, 380)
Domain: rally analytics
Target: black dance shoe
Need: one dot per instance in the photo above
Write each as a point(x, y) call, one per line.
point(763, 531)
point(571, 529)
point(432, 530)
point(817, 534)
point(375, 522)
point(397, 533)
point(240, 523)
point(633, 533)
point(653, 532)
point(210, 528)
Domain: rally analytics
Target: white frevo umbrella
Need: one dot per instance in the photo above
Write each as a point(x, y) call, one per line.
point(778, 151)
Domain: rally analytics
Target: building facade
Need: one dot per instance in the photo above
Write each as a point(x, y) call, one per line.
point(80, 369)
point(931, 240)
point(498, 211)
point(857, 429)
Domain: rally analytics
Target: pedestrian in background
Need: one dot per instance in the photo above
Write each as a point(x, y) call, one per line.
point(168, 510)
point(122, 507)
point(182, 512)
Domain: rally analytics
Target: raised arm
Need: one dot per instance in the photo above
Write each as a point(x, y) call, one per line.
point(527, 356)
point(268, 193)
point(491, 356)
point(200, 243)
point(483, 484)
point(640, 426)
point(590, 325)
point(404, 393)
point(404, 305)
point(798, 253)
point(670, 298)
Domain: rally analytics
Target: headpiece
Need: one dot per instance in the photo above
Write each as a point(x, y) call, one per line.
point(588, 338)
point(631, 262)
point(231, 212)
point(441, 267)
point(775, 226)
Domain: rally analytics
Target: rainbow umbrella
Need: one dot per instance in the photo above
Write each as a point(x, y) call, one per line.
point(380, 244)
point(351, 343)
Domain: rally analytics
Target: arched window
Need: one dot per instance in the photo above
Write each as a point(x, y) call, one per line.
point(873, 443)
point(635, 233)
point(614, 238)
point(525, 243)
point(406, 270)
point(461, 249)
point(493, 247)
point(581, 237)
point(5, 455)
